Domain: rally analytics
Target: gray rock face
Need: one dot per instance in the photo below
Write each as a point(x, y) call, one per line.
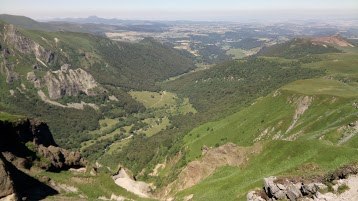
point(16, 134)
point(309, 189)
point(312, 188)
point(270, 187)
point(61, 158)
point(273, 189)
point(6, 183)
point(24, 45)
point(34, 79)
point(287, 190)
point(69, 83)
point(8, 70)
point(280, 195)
point(65, 67)
point(294, 192)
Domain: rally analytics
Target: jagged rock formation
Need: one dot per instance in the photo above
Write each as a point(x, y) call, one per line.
point(17, 134)
point(24, 45)
point(68, 82)
point(64, 82)
point(21, 144)
point(293, 189)
point(61, 158)
point(8, 70)
point(281, 190)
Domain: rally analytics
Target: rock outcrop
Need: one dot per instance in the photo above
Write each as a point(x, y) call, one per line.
point(8, 69)
point(61, 158)
point(31, 76)
point(293, 189)
point(285, 189)
point(18, 134)
point(69, 82)
point(24, 45)
point(6, 183)
point(26, 144)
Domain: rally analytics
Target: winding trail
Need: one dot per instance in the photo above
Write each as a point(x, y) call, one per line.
point(161, 99)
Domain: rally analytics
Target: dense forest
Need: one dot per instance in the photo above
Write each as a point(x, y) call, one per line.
point(234, 84)
point(140, 65)
point(295, 49)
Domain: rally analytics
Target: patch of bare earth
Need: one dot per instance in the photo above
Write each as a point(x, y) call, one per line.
point(158, 167)
point(213, 158)
point(336, 40)
point(302, 104)
point(139, 188)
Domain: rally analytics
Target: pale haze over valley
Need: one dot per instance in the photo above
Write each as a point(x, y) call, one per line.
point(224, 10)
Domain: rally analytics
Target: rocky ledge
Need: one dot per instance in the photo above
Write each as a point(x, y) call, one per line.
point(26, 145)
point(339, 185)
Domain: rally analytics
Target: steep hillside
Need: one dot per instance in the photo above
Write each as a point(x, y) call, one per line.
point(229, 86)
point(75, 79)
point(296, 48)
point(144, 63)
point(335, 40)
point(304, 129)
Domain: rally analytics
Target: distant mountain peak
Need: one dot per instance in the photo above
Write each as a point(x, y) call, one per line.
point(93, 17)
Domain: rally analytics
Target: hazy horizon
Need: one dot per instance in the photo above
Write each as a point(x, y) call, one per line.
point(224, 10)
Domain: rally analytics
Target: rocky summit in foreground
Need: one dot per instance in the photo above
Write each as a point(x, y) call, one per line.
point(27, 146)
point(339, 185)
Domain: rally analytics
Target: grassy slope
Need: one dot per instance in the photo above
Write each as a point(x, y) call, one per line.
point(90, 186)
point(279, 158)
point(154, 99)
point(331, 108)
point(4, 116)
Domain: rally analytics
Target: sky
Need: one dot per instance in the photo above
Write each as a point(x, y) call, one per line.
point(180, 9)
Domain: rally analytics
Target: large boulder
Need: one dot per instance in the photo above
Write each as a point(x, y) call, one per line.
point(270, 186)
point(61, 159)
point(312, 188)
point(294, 192)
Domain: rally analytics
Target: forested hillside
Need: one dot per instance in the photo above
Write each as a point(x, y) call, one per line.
point(231, 85)
point(95, 70)
point(296, 48)
point(140, 65)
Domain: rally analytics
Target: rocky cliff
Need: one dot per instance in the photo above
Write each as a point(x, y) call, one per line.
point(65, 82)
point(69, 82)
point(27, 144)
point(24, 45)
point(338, 185)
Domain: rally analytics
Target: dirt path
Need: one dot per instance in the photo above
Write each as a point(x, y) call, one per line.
point(161, 99)
point(79, 106)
